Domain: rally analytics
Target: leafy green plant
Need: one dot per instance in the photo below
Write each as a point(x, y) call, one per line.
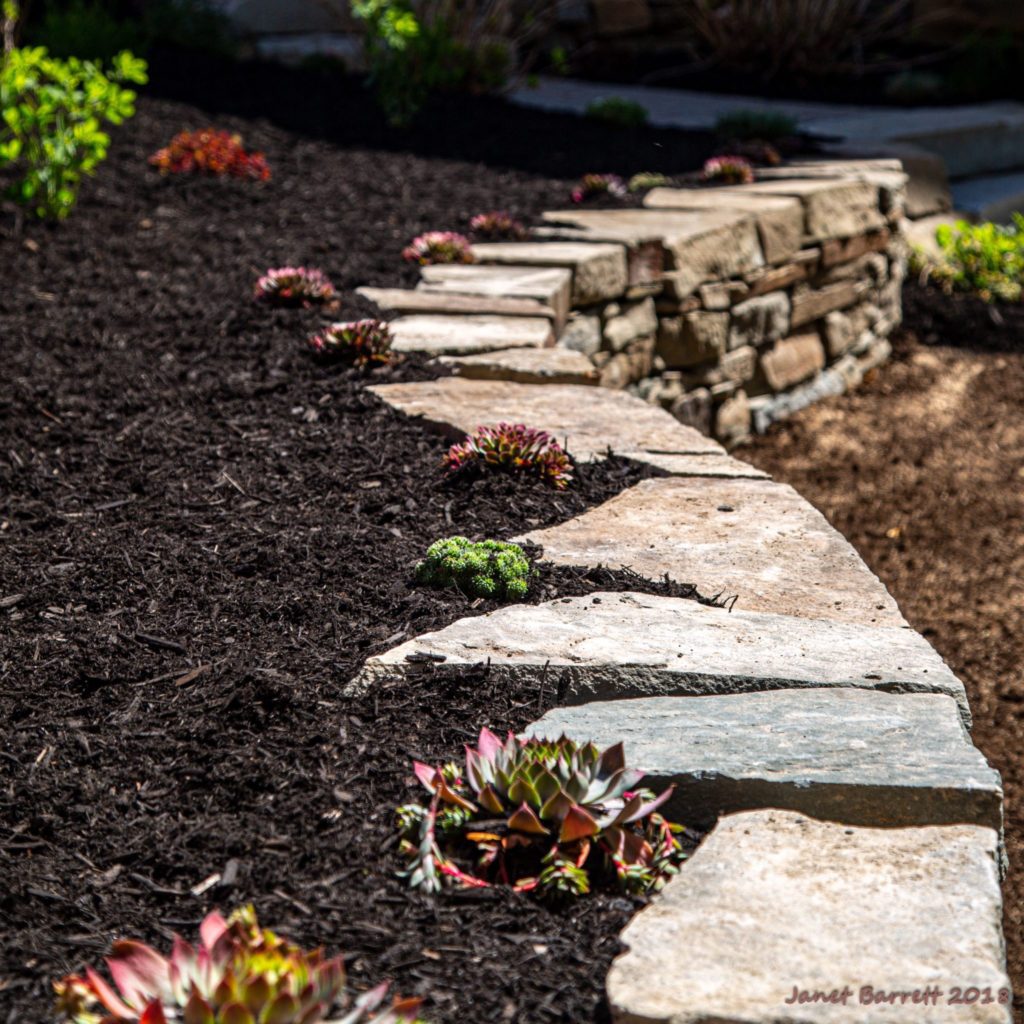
point(618, 111)
point(760, 125)
point(488, 568)
point(53, 111)
point(987, 259)
point(643, 181)
point(554, 816)
point(240, 974)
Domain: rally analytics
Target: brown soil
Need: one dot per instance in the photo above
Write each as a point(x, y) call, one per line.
point(922, 470)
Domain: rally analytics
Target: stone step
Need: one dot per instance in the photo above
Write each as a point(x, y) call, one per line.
point(992, 197)
point(857, 756)
point(551, 286)
point(592, 420)
point(526, 366)
point(613, 646)
point(755, 539)
point(401, 300)
point(773, 905)
point(463, 335)
point(599, 271)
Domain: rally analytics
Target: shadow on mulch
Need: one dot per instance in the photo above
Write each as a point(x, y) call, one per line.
point(962, 319)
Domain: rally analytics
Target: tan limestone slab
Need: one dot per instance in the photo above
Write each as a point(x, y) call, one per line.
point(619, 646)
point(832, 208)
point(401, 300)
point(849, 754)
point(599, 268)
point(780, 219)
point(755, 539)
point(551, 286)
point(451, 335)
point(526, 366)
point(699, 465)
point(774, 902)
point(591, 420)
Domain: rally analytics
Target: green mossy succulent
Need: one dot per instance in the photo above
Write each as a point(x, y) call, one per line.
point(488, 568)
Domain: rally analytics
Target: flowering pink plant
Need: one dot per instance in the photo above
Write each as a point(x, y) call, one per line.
point(592, 185)
point(359, 342)
point(240, 974)
point(438, 247)
point(728, 170)
point(294, 286)
point(498, 225)
point(513, 448)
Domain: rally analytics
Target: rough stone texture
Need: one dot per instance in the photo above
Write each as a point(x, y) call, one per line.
point(810, 304)
point(768, 409)
point(843, 329)
point(780, 220)
point(592, 420)
point(722, 294)
point(773, 279)
point(632, 364)
point(582, 333)
point(637, 320)
point(599, 269)
point(738, 365)
point(700, 465)
point(732, 419)
point(872, 267)
point(420, 301)
point(832, 209)
point(762, 319)
point(755, 539)
point(526, 365)
point(692, 338)
point(694, 409)
point(793, 360)
point(843, 250)
point(611, 647)
point(773, 900)
point(453, 335)
point(550, 286)
point(851, 755)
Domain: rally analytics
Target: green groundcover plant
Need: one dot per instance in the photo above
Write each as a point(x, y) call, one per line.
point(987, 259)
point(53, 114)
point(618, 111)
point(487, 568)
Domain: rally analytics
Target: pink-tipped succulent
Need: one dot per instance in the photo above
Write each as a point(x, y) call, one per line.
point(294, 286)
point(512, 448)
point(360, 343)
point(727, 170)
point(536, 814)
point(498, 226)
point(593, 185)
point(240, 974)
point(438, 247)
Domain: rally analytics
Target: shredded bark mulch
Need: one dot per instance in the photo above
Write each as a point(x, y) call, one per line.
point(202, 535)
point(962, 319)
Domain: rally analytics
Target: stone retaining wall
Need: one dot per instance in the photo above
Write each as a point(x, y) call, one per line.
point(731, 307)
point(855, 846)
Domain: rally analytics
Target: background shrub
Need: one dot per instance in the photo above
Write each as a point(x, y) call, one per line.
point(987, 259)
point(618, 111)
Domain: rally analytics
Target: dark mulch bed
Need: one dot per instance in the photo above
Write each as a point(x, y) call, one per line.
point(962, 319)
point(202, 534)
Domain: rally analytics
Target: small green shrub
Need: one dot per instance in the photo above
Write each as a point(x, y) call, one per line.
point(619, 112)
point(488, 568)
point(763, 125)
point(51, 132)
point(987, 259)
point(643, 181)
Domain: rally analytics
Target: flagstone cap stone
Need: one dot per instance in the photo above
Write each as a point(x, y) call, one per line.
point(591, 420)
point(446, 335)
point(612, 646)
point(698, 465)
point(773, 901)
point(859, 756)
point(755, 539)
point(598, 268)
point(416, 300)
point(526, 366)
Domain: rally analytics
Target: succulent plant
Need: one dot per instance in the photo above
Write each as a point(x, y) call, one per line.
point(497, 226)
point(210, 152)
point(644, 180)
point(592, 185)
point(240, 974)
point(294, 286)
point(727, 170)
point(358, 342)
point(487, 568)
point(538, 814)
point(438, 247)
point(512, 448)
